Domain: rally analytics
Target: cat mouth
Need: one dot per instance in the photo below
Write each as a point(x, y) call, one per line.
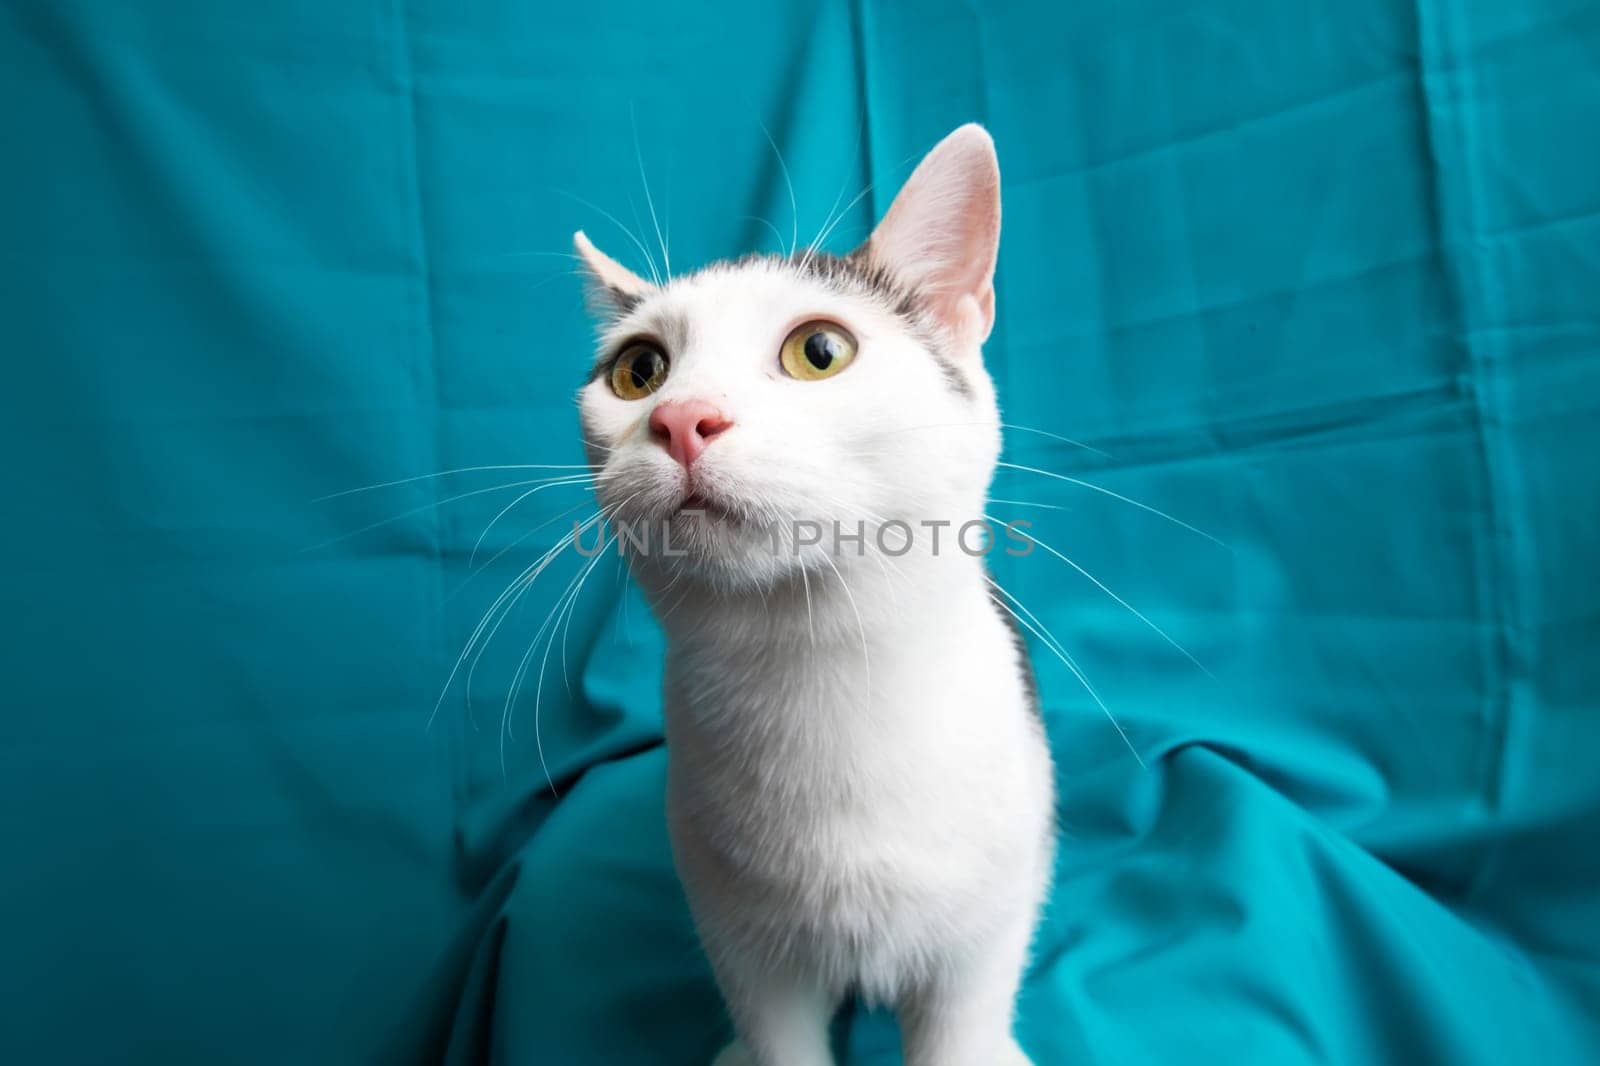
point(699, 502)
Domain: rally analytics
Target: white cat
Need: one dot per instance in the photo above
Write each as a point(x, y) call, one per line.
point(860, 795)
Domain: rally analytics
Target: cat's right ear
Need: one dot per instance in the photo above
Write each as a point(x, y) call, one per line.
point(613, 288)
point(941, 235)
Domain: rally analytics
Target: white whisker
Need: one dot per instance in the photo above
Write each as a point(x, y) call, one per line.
point(457, 470)
point(554, 482)
point(861, 126)
point(1029, 503)
point(1002, 425)
point(1059, 437)
point(600, 518)
point(484, 621)
point(811, 629)
point(794, 211)
point(551, 621)
point(1124, 603)
point(827, 230)
point(529, 254)
point(472, 558)
point(1060, 652)
point(497, 555)
point(866, 659)
point(764, 222)
point(822, 236)
point(655, 275)
point(1116, 496)
point(666, 256)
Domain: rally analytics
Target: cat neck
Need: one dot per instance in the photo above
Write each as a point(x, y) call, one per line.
point(840, 602)
point(816, 669)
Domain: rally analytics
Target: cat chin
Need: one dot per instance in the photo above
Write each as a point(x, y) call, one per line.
point(719, 551)
point(717, 554)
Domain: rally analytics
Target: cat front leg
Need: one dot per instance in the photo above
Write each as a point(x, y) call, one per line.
point(964, 1015)
point(781, 1018)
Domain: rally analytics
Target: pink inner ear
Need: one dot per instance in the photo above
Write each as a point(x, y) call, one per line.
point(941, 235)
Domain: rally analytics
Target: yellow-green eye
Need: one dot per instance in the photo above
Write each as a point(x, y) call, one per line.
point(638, 371)
point(817, 350)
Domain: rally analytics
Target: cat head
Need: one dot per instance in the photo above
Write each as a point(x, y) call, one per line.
point(728, 404)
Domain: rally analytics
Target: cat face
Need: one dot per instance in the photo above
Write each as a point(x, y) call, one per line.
point(731, 408)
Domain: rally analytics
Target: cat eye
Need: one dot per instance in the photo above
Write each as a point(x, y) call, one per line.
point(639, 370)
point(817, 350)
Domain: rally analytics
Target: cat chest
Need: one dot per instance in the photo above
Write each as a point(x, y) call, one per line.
point(842, 863)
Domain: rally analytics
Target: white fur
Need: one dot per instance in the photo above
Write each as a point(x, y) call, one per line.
point(859, 794)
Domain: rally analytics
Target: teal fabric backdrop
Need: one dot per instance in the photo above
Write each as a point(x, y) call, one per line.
point(1321, 279)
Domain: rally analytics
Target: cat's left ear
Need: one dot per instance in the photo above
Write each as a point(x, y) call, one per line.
point(613, 288)
point(942, 234)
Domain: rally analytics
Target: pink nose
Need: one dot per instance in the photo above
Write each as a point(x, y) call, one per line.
point(685, 427)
